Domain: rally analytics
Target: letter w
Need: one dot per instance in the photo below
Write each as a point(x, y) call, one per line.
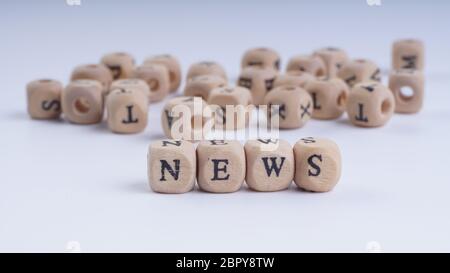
point(273, 165)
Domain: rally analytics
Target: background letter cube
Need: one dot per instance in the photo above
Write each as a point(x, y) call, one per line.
point(206, 68)
point(98, 72)
point(173, 66)
point(307, 63)
point(360, 70)
point(261, 57)
point(406, 78)
point(258, 80)
point(120, 64)
point(334, 59)
point(44, 99)
point(134, 84)
point(157, 78)
point(201, 86)
point(82, 102)
point(293, 78)
point(408, 54)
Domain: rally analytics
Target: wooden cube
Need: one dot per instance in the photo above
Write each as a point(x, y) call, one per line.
point(157, 78)
point(201, 86)
point(127, 110)
point(223, 97)
point(270, 164)
point(44, 99)
point(221, 166)
point(370, 104)
point(307, 63)
point(329, 97)
point(171, 166)
point(293, 78)
point(134, 84)
point(183, 118)
point(258, 80)
point(294, 106)
point(334, 58)
point(120, 64)
point(408, 54)
point(98, 72)
point(360, 70)
point(206, 68)
point(317, 164)
point(261, 57)
point(403, 80)
point(82, 102)
point(173, 66)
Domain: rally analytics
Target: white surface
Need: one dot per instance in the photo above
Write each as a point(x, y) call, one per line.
point(62, 182)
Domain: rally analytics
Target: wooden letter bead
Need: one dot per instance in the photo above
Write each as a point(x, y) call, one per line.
point(206, 68)
point(329, 97)
point(258, 81)
point(293, 78)
point(172, 64)
point(134, 84)
point(307, 63)
point(185, 127)
point(295, 106)
point(221, 166)
point(98, 72)
point(360, 70)
point(201, 86)
point(399, 81)
point(317, 164)
point(224, 96)
point(270, 164)
point(334, 59)
point(157, 78)
point(127, 110)
point(82, 102)
point(44, 99)
point(408, 54)
point(261, 57)
point(171, 166)
point(120, 64)
point(370, 104)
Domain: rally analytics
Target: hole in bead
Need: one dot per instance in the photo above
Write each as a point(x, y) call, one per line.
point(82, 105)
point(342, 99)
point(386, 106)
point(172, 76)
point(406, 93)
point(154, 85)
point(320, 73)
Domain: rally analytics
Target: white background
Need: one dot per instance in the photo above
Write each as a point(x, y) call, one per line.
point(62, 182)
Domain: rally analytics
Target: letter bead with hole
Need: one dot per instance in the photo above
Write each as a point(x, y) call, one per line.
point(307, 63)
point(408, 54)
point(403, 79)
point(317, 164)
point(98, 72)
point(334, 58)
point(157, 78)
point(261, 57)
point(133, 84)
point(370, 104)
point(360, 70)
point(127, 111)
point(270, 164)
point(82, 102)
point(201, 86)
point(221, 166)
point(173, 66)
point(44, 99)
point(293, 106)
point(329, 97)
point(171, 166)
point(120, 64)
point(258, 80)
point(206, 68)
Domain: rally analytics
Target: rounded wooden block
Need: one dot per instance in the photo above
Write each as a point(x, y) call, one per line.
point(82, 102)
point(171, 166)
point(334, 58)
point(222, 98)
point(261, 57)
point(221, 166)
point(134, 84)
point(270, 164)
point(307, 63)
point(98, 72)
point(317, 164)
point(190, 126)
point(295, 106)
point(370, 104)
point(408, 54)
point(157, 78)
point(399, 81)
point(259, 81)
point(329, 97)
point(127, 111)
point(44, 99)
point(121, 64)
point(293, 78)
point(359, 70)
point(173, 66)
point(201, 86)
point(206, 68)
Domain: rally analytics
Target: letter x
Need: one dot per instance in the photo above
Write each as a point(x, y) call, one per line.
point(305, 110)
